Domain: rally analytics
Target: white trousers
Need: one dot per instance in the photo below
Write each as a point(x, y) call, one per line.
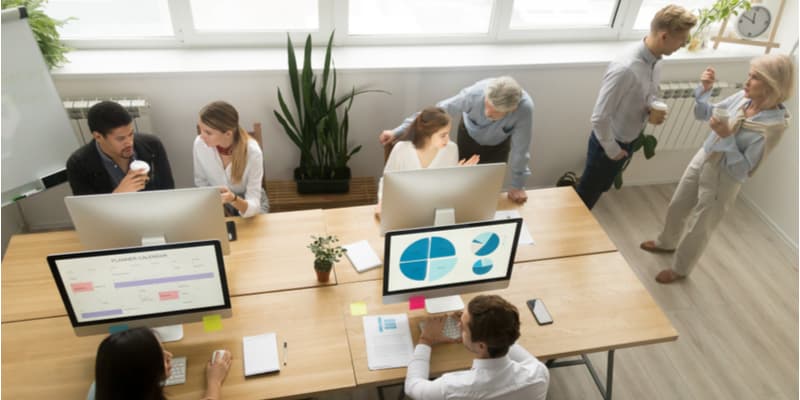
point(704, 194)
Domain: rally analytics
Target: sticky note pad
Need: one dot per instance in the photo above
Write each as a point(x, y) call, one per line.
point(117, 328)
point(358, 308)
point(416, 302)
point(212, 323)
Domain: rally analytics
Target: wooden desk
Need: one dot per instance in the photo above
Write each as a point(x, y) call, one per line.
point(556, 218)
point(308, 320)
point(596, 301)
point(283, 196)
point(269, 255)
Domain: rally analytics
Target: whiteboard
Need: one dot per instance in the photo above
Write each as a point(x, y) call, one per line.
point(37, 137)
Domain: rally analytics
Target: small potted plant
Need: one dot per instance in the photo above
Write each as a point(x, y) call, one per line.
point(326, 252)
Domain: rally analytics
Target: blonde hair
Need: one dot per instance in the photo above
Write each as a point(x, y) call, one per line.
point(777, 71)
point(673, 19)
point(223, 117)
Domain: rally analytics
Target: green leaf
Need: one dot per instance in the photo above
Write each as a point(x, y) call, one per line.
point(650, 143)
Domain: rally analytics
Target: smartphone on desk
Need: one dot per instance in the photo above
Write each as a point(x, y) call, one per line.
point(230, 226)
point(540, 312)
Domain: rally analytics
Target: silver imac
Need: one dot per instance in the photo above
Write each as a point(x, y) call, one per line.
point(448, 261)
point(155, 286)
point(106, 221)
point(440, 196)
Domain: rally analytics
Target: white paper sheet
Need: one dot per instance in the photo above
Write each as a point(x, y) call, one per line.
point(389, 343)
point(260, 354)
point(361, 256)
point(524, 234)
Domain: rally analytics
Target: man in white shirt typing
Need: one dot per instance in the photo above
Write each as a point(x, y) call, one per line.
point(501, 369)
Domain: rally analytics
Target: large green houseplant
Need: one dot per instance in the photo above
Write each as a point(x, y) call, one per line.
point(44, 30)
point(320, 123)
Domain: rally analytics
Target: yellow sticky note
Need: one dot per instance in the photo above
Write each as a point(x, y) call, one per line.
point(212, 323)
point(358, 308)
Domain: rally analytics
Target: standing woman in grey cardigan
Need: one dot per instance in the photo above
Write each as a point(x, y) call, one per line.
point(745, 127)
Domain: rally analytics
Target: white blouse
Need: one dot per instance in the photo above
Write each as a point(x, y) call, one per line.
point(208, 171)
point(404, 157)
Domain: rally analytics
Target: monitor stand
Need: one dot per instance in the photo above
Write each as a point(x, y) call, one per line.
point(169, 333)
point(444, 217)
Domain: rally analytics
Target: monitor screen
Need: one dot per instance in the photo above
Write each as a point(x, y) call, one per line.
point(411, 199)
point(141, 286)
point(449, 260)
point(106, 221)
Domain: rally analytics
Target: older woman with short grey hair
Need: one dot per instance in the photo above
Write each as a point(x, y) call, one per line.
point(745, 127)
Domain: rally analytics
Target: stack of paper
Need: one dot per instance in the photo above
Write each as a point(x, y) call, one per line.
point(260, 354)
point(389, 343)
point(362, 256)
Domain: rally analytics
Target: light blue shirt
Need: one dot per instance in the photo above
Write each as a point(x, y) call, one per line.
point(743, 150)
point(518, 125)
point(629, 86)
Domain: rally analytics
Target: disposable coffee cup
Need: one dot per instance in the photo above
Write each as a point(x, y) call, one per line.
point(658, 110)
point(139, 165)
point(721, 114)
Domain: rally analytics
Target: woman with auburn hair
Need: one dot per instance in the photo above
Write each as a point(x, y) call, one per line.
point(745, 127)
point(225, 156)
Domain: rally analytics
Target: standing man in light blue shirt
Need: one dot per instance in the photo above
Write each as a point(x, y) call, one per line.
point(629, 86)
point(496, 124)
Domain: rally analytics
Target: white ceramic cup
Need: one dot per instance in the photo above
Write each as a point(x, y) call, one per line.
point(138, 165)
point(721, 114)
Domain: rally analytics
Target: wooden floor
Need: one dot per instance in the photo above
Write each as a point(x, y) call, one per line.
point(737, 314)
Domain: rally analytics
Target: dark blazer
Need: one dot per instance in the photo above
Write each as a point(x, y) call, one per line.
point(87, 175)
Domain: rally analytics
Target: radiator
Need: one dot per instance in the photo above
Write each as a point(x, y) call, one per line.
point(77, 108)
point(681, 130)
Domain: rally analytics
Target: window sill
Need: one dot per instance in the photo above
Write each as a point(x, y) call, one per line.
point(172, 61)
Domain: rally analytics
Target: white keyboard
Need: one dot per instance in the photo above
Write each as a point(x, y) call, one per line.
point(450, 328)
point(178, 375)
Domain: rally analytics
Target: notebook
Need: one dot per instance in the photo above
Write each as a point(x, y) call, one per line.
point(260, 354)
point(362, 256)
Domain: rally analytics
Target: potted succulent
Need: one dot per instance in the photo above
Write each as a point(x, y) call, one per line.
point(319, 124)
point(326, 252)
point(718, 11)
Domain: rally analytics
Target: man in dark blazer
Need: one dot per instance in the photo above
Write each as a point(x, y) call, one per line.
point(103, 165)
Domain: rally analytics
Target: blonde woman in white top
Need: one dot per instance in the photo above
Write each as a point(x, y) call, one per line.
point(426, 144)
point(226, 157)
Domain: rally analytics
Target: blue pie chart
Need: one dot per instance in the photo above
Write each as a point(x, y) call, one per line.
point(485, 243)
point(428, 259)
point(482, 266)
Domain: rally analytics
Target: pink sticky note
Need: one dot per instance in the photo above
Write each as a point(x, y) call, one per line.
point(168, 295)
point(416, 302)
point(79, 287)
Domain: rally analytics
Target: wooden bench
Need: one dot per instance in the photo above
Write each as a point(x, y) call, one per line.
point(283, 196)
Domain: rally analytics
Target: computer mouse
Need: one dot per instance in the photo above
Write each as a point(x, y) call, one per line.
point(217, 354)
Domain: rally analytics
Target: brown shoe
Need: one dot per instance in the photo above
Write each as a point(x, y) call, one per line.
point(668, 276)
point(650, 245)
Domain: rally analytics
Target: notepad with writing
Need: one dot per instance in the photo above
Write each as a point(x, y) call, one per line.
point(260, 354)
point(362, 256)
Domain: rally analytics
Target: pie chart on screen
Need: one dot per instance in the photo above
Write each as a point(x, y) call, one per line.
point(428, 259)
point(485, 243)
point(482, 266)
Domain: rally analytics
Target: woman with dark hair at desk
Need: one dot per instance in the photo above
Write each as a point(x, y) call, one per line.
point(131, 365)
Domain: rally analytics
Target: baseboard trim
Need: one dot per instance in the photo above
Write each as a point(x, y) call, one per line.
point(766, 218)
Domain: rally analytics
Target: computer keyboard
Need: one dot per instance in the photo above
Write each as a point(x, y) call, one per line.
point(450, 329)
point(178, 375)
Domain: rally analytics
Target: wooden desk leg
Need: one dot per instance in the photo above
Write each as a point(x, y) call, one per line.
point(605, 391)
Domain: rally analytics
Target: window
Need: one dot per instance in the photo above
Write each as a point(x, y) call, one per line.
point(650, 7)
point(537, 14)
point(103, 19)
point(255, 15)
point(418, 17)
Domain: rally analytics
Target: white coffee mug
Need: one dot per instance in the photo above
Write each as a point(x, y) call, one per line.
point(721, 114)
point(138, 165)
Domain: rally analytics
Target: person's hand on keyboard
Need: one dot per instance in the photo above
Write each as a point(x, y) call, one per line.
point(216, 372)
point(432, 331)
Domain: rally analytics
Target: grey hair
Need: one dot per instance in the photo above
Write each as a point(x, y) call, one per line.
point(504, 93)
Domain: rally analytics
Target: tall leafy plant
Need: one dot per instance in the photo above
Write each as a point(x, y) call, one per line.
point(317, 127)
point(44, 30)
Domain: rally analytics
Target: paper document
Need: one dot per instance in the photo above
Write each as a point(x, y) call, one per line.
point(388, 340)
point(362, 256)
point(524, 234)
point(260, 354)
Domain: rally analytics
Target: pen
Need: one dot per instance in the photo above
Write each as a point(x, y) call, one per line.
point(285, 352)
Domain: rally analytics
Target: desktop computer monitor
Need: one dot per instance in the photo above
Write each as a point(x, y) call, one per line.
point(449, 260)
point(106, 221)
point(440, 196)
point(142, 286)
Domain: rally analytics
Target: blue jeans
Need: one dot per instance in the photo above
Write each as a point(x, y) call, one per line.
point(600, 171)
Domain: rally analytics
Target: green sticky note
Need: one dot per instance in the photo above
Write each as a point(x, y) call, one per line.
point(212, 323)
point(358, 308)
